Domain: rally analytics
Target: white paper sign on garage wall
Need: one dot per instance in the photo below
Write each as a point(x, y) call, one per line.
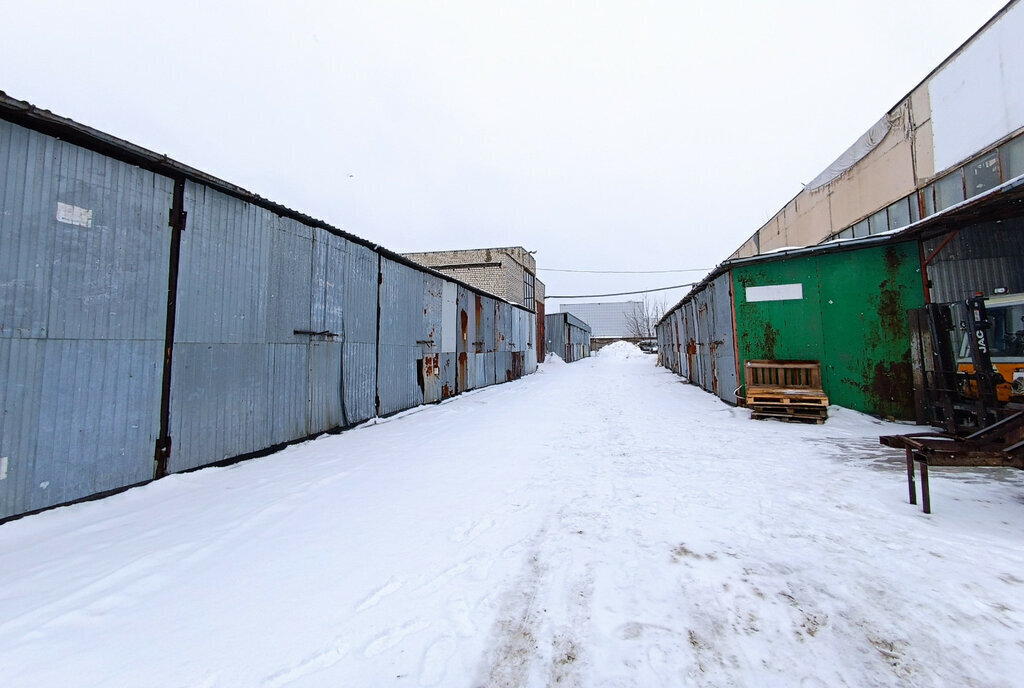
point(775, 292)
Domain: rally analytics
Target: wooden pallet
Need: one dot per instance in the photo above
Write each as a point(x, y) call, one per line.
point(790, 412)
point(790, 417)
point(786, 390)
point(783, 397)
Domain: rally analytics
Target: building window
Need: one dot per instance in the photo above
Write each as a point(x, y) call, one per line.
point(860, 229)
point(949, 190)
point(528, 286)
point(983, 174)
point(899, 214)
point(879, 222)
point(1012, 158)
point(928, 200)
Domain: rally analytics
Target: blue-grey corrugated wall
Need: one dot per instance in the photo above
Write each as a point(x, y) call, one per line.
point(83, 284)
point(359, 333)
point(568, 337)
point(282, 328)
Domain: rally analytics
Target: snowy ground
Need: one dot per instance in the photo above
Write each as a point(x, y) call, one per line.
point(596, 524)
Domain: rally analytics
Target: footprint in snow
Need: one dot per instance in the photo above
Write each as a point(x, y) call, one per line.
point(435, 660)
point(374, 599)
point(470, 532)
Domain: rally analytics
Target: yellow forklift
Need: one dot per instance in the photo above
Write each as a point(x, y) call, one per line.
point(972, 388)
point(1004, 340)
point(968, 360)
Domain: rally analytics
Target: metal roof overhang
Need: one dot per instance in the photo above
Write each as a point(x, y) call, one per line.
point(1002, 202)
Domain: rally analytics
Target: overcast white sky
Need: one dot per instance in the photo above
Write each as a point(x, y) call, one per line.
point(633, 135)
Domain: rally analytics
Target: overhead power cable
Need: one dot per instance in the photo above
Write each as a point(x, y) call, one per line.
point(621, 293)
point(625, 272)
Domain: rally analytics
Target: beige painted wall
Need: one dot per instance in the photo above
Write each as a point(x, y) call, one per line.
point(924, 146)
point(883, 176)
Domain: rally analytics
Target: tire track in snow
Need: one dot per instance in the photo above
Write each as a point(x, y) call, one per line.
point(515, 628)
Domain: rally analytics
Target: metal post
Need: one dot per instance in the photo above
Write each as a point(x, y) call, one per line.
point(926, 502)
point(910, 476)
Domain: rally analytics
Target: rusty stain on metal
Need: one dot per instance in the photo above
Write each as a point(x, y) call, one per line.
point(713, 347)
point(479, 313)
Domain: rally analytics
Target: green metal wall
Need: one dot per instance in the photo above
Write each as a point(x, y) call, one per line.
point(852, 318)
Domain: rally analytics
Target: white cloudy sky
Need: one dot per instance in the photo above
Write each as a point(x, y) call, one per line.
point(635, 135)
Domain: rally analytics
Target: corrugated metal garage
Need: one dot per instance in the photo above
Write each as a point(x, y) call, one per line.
point(155, 319)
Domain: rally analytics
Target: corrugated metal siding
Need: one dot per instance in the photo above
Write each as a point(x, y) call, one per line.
point(486, 339)
point(534, 346)
point(865, 296)
point(691, 335)
point(450, 317)
point(702, 317)
point(980, 258)
point(664, 357)
point(682, 336)
point(706, 324)
point(696, 339)
point(852, 318)
point(325, 354)
point(430, 337)
point(666, 343)
point(555, 330)
point(401, 315)
point(84, 253)
point(279, 324)
point(540, 338)
point(465, 352)
point(605, 319)
point(359, 334)
point(568, 336)
point(502, 335)
point(722, 343)
point(241, 377)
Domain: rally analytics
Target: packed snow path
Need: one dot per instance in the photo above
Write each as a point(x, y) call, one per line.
point(596, 524)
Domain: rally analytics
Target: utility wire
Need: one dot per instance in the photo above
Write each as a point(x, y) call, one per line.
point(621, 293)
point(625, 272)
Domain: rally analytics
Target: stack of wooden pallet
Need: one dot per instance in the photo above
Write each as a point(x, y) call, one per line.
point(786, 390)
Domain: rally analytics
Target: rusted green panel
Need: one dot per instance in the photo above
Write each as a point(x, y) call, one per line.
point(852, 317)
point(784, 329)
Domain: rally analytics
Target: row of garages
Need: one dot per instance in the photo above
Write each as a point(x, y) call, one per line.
point(568, 337)
point(845, 304)
point(154, 319)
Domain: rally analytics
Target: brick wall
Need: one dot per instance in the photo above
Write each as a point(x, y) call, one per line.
point(498, 271)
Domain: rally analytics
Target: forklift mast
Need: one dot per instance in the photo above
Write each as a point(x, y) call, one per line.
point(984, 377)
point(953, 396)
